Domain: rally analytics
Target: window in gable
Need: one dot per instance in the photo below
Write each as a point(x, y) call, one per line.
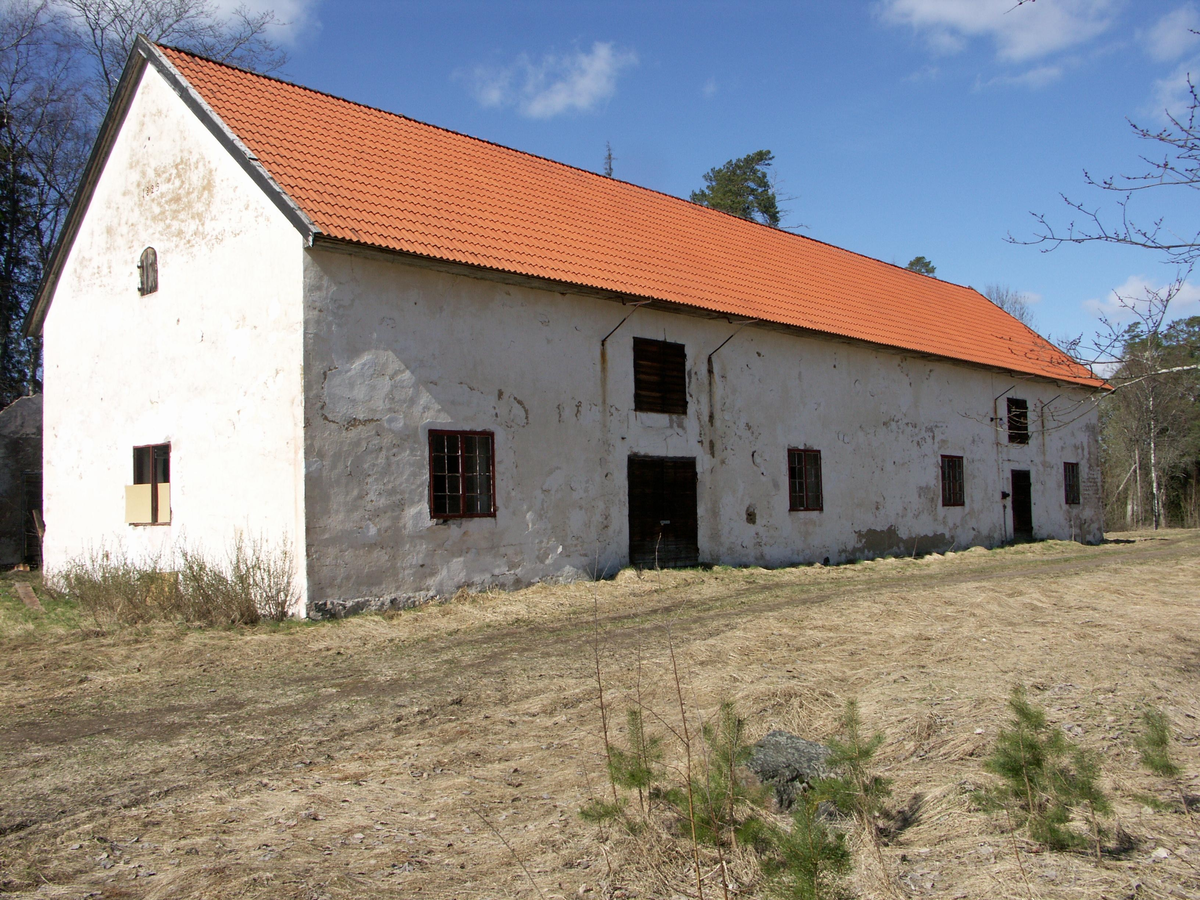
point(148, 272)
point(659, 377)
point(1071, 483)
point(148, 499)
point(1018, 421)
point(461, 474)
point(953, 493)
point(804, 480)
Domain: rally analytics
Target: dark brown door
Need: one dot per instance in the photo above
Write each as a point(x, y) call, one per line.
point(662, 512)
point(1022, 505)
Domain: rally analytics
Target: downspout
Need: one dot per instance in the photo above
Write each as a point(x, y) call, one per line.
point(606, 437)
point(604, 365)
point(711, 378)
point(1000, 464)
point(712, 402)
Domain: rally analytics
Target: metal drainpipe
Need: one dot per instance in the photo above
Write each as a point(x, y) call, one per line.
point(1000, 463)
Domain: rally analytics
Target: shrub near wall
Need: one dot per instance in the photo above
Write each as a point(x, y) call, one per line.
point(254, 582)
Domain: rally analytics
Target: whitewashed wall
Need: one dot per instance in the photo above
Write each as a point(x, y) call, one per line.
point(393, 349)
point(211, 362)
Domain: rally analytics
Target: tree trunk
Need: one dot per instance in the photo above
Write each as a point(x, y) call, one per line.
point(1155, 505)
point(1137, 462)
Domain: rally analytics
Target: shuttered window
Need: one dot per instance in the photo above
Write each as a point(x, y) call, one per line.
point(659, 377)
point(1071, 483)
point(461, 475)
point(953, 493)
point(804, 480)
point(1018, 421)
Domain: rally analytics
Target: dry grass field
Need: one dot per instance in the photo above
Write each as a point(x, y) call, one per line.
point(446, 751)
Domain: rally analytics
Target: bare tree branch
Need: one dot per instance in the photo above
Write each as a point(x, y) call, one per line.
point(1179, 167)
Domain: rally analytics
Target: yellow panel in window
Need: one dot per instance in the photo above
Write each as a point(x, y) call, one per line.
point(137, 504)
point(164, 502)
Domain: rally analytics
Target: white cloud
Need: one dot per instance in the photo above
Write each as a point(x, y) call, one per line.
point(925, 73)
point(1037, 77)
point(1173, 35)
point(1185, 303)
point(555, 84)
point(295, 19)
point(1172, 95)
point(1020, 33)
point(710, 88)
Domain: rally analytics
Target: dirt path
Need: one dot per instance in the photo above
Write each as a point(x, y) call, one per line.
point(388, 755)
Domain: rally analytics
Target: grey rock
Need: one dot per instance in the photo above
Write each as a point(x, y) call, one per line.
point(789, 764)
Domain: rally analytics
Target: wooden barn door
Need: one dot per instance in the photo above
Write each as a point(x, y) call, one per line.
point(1022, 505)
point(662, 512)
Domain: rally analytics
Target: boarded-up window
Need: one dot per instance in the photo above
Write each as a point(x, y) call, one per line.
point(953, 493)
point(1018, 421)
point(659, 377)
point(461, 475)
point(148, 499)
point(1071, 483)
point(804, 480)
point(148, 272)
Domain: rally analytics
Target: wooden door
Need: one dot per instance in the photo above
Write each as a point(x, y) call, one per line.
point(662, 512)
point(1022, 505)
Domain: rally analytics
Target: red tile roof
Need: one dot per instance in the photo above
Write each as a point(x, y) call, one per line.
point(387, 181)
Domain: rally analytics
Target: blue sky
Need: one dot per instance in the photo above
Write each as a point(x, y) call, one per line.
point(899, 127)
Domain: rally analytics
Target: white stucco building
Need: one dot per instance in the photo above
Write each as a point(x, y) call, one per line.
point(426, 361)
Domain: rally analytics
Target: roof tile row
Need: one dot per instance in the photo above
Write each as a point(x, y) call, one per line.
point(381, 179)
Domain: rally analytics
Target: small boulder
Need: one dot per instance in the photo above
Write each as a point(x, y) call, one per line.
point(789, 764)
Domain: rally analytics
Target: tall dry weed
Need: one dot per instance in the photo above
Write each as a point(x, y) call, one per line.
point(254, 582)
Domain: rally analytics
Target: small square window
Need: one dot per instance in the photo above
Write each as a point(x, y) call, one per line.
point(461, 475)
point(1071, 483)
point(953, 493)
point(1018, 421)
point(804, 480)
point(659, 377)
point(148, 499)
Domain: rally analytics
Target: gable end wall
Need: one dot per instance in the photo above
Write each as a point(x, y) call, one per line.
point(211, 363)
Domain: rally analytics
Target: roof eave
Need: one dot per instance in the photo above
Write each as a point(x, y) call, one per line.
point(145, 51)
point(510, 276)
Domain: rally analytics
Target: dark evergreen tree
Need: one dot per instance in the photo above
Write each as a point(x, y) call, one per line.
point(922, 266)
point(742, 188)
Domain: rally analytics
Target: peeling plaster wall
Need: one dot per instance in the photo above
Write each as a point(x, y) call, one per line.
point(210, 363)
point(393, 349)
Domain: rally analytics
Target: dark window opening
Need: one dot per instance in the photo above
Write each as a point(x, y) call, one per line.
point(461, 474)
point(663, 525)
point(953, 493)
point(151, 468)
point(804, 480)
point(1022, 505)
point(1071, 483)
point(659, 377)
point(1018, 421)
point(148, 272)
point(33, 518)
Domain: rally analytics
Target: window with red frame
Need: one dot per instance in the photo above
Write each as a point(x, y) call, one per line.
point(461, 474)
point(804, 480)
point(953, 493)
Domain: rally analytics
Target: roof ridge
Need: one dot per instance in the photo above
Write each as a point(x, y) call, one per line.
point(606, 178)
